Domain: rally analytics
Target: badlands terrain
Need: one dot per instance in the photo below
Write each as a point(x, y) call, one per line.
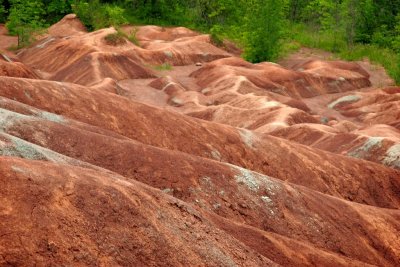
point(176, 152)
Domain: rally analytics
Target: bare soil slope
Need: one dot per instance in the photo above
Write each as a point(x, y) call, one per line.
point(175, 152)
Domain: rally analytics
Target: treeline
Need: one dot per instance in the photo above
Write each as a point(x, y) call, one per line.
point(358, 21)
point(262, 27)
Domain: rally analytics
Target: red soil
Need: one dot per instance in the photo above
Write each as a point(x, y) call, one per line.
point(16, 69)
point(6, 41)
point(114, 162)
point(69, 25)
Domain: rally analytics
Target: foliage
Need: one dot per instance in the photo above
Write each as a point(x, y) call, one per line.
point(95, 15)
point(132, 37)
point(2, 12)
point(115, 39)
point(57, 9)
point(163, 12)
point(305, 36)
point(216, 35)
point(26, 17)
point(264, 29)
point(385, 57)
point(84, 12)
point(114, 15)
point(120, 37)
point(360, 21)
point(163, 67)
point(396, 39)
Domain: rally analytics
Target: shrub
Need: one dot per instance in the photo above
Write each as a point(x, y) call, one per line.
point(95, 15)
point(2, 12)
point(120, 37)
point(115, 39)
point(25, 18)
point(308, 37)
point(216, 35)
point(164, 66)
point(264, 29)
point(132, 37)
point(56, 9)
point(82, 10)
point(114, 15)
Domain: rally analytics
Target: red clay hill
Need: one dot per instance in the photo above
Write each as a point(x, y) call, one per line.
point(171, 151)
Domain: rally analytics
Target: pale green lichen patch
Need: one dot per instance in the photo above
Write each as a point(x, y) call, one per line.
point(216, 155)
point(367, 147)
point(168, 54)
point(17, 147)
point(28, 95)
point(255, 181)
point(176, 102)
point(51, 117)
point(247, 178)
point(272, 188)
point(345, 99)
point(8, 118)
point(259, 183)
point(271, 208)
point(19, 169)
point(392, 157)
point(247, 137)
point(20, 148)
point(169, 191)
point(216, 206)
point(266, 200)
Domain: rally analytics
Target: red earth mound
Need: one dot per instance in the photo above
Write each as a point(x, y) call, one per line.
point(51, 206)
point(6, 41)
point(16, 69)
point(272, 77)
point(260, 201)
point(151, 33)
point(170, 151)
point(84, 59)
point(376, 143)
point(94, 67)
point(69, 25)
point(374, 107)
point(367, 131)
point(223, 143)
point(87, 58)
point(176, 46)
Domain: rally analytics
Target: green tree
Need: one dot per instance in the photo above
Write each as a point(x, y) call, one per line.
point(264, 23)
point(295, 10)
point(95, 15)
point(326, 16)
point(2, 12)
point(396, 39)
point(57, 9)
point(173, 12)
point(217, 12)
point(366, 22)
point(25, 17)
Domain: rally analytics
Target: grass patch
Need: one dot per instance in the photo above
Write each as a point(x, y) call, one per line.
point(115, 39)
point(300, 35)
point(289, 47)
point(13, 48)
point(163, 67)
point(132, 37)
point(382, 56)
point(120, 38)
